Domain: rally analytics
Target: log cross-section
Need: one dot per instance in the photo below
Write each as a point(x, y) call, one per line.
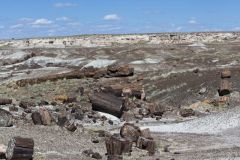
point(116, 145)
point(20, 149)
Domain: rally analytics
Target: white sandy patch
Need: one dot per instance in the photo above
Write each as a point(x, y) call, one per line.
point(110, 117)
point(211, 124)
point(43, 61)
point(99, 63)
point(147, 61)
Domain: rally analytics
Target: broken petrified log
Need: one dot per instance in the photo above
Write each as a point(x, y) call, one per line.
point(4, 101)
point(225, 88)
point(37, 118)
point(118, 71)
point(20, 148)
point(116, 145)
point(45, 116)
point(146, 144)
point(126, 90)
point(107, 103)
point(226, 74)
point(130, 131)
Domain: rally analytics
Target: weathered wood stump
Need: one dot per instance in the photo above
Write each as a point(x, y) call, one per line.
point(20, 149)
point(225, 88)
point(116, 146)
point(130, 131)
point(146, 144)
point(107, 103)
point(226, 74)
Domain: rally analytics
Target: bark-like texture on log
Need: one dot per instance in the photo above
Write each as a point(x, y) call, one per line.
point(20, 149)
point(107, 103)
point(90, 72)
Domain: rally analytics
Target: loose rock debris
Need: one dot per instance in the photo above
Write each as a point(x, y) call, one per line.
point(71, 103)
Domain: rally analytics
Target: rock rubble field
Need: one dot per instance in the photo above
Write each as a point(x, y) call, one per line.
point(169, 96)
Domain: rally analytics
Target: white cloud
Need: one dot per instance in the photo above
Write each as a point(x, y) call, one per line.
point(192, 21)
point(64, 5)
point(63, 18)
point(111, 17)
point(24, 19)
point(42, 21)
point(16, 26)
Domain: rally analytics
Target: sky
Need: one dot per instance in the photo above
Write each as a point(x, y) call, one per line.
point(32, 18)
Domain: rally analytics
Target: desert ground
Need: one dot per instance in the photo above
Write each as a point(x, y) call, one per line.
point(179, 73)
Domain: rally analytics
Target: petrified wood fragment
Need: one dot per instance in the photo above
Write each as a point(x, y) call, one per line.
point(130, 131)
point(4, 101)
point(107, 103)
point(20, 149)
point(226, 73)
point(225, 88)
point(147, 144)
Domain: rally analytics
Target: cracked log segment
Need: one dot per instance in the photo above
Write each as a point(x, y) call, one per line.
point(116, 146)
point(107, 103)
point(90, 72)
point(20, 149)
point(225, 88)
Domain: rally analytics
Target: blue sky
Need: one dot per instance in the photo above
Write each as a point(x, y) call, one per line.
point(32, 18)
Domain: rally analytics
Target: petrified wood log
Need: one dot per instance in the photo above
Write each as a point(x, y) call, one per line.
point(120, 71)
point(130, 131)
point(225, 88)
point(37, 118)
point(226, 73)
point(45, 116)
point(146, 144)
point(107, 103)
point(20, 149)
point(4, 101)
point(90, 72)
point(116, 145)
